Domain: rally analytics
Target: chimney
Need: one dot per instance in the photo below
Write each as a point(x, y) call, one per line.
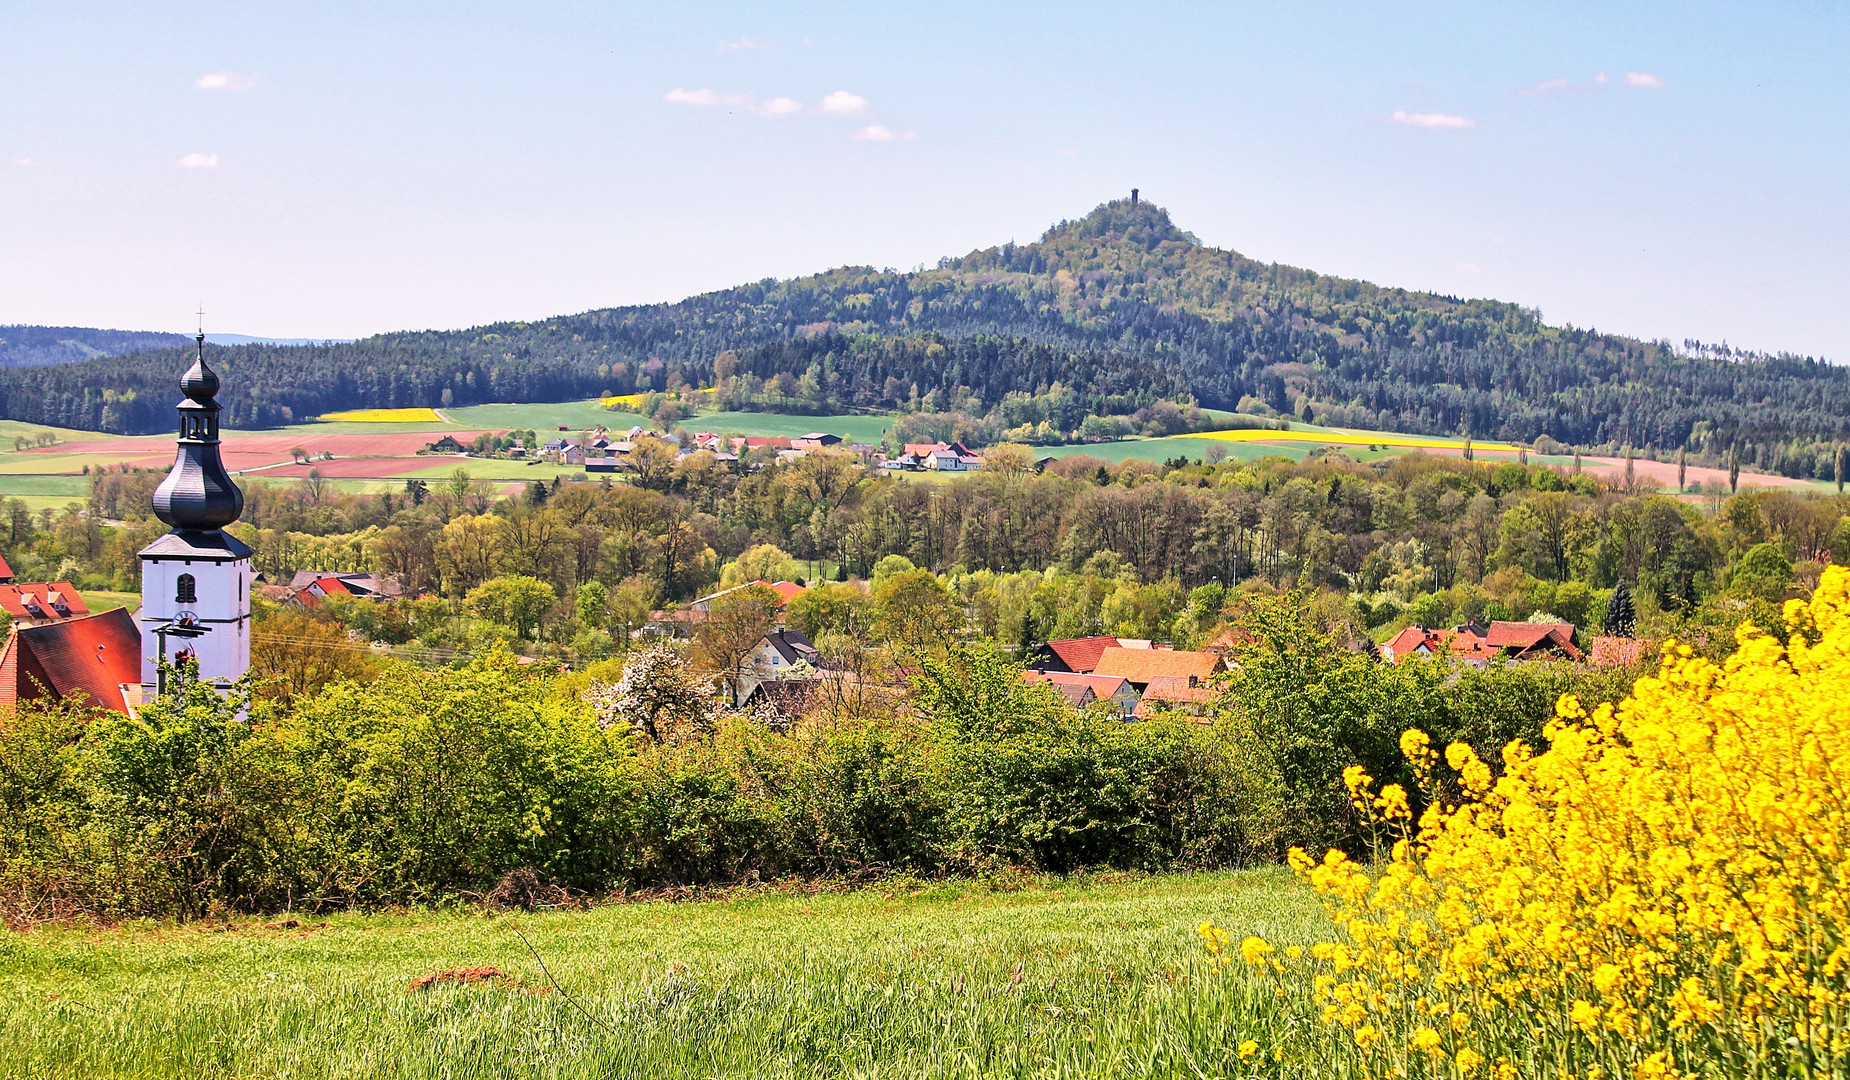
point(1133, 196)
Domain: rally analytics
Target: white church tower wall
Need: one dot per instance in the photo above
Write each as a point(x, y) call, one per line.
point(196, 580)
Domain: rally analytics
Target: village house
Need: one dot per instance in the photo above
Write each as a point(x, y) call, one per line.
point(94, 658)
point(683, 621)
point(1477, 645)
point(781, 656)
point(447, 445)
point(1142, 666)
point(1074, 654)
point(952, 461)
point(309, 587)
point(1116, 690)
point(815, 440)
point(37, 605)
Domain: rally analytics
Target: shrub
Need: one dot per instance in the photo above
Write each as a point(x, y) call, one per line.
point(1660, 892)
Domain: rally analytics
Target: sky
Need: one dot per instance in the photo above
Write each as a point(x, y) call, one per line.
point(1667, 170)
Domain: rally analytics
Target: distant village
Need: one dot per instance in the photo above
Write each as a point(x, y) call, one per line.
point(601, 450)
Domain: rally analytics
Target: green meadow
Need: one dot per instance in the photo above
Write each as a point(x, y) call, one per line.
point(1100, 976)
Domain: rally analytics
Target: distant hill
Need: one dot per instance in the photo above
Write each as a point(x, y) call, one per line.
point(1120, 308)
point(32, 346)
point(246, 339)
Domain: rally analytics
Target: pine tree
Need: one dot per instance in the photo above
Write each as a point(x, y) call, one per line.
point(1734, 468)
point(1576, 469)
point(1840, 467)
point(1682, 469)
point(1621, 615)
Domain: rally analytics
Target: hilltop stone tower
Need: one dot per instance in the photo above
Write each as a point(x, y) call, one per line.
point(196, 580)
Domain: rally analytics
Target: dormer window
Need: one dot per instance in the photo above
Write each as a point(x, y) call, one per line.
point(184, 591)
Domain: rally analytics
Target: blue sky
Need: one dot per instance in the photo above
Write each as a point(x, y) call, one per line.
point(1666, 170)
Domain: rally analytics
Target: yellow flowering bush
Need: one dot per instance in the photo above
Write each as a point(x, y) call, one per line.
point(1660, 892)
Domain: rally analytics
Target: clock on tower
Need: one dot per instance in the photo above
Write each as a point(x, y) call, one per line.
point(196, 580)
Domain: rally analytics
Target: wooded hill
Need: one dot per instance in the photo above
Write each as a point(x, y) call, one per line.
point(26, 346)
point(1120, 307)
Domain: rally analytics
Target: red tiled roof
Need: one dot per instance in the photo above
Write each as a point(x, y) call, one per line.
point(1143, 665)
point(1105, 686)
point(1081, 654)
point(46, 598)
point(1459, 641)
point(333, 586)
point(1524, 636)
point(92, 657)
point(1177, 688)
point(787, 590)
point(5, 570)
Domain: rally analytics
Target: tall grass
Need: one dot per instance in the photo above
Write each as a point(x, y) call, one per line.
point(1059, 978)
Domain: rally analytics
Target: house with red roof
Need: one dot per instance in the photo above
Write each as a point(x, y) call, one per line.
point(1075, 654)
point(1477, 645)
point(310, 587)
point(36, 605)
point(1116, 690)
point(6, 572)
point(1144, 666)
point(1533, 641)
point(93, 658)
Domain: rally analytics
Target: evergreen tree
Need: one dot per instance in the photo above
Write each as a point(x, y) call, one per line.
point(1621, 615)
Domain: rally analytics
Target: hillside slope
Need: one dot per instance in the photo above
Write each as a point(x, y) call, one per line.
point(1120, 307)
point(30, 346)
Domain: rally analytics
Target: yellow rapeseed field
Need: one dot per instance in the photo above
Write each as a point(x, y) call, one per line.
point(1660, 892)
point(386, 416)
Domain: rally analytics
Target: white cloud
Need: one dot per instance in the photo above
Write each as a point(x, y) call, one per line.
point(842, 103)
point(1469, 268)
point(1640, 79)
point(741, 44)
point(1067, 151)
point(1546, 86)
point(27, 161)
point(1432, 121)
point(198, 161)
point(1601, 79)
point(777, 106)
point(704, 96)
point(225, 80)
point(881, 133)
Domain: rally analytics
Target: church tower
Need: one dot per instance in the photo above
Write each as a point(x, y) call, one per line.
point(196, 580)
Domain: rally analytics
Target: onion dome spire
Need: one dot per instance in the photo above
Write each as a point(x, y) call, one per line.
point(198, 494)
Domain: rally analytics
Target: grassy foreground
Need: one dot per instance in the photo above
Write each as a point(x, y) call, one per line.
point(1100, 977)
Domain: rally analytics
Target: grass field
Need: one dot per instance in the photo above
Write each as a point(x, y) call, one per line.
point(1077, 978)
point(99, 602)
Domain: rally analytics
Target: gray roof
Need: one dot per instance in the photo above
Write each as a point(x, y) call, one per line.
point(210, 545)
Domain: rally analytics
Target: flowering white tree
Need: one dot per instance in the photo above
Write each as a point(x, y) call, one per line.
point(656, 696)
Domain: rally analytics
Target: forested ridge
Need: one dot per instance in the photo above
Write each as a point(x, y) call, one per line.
point(1121, 308)
point(26, 346)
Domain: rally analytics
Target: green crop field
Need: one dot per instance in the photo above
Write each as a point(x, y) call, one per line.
point(853, 427)
point(1076, 977)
